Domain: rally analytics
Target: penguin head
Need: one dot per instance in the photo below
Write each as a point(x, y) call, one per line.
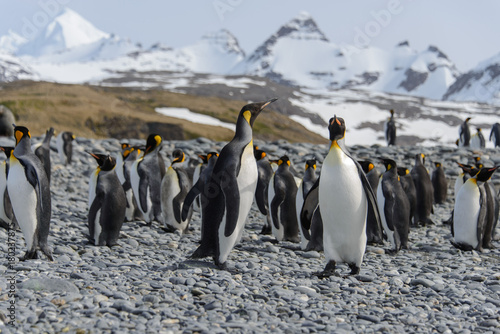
point(471, 170)
point(8, 150)
point(336, 126)
point(178, 156)
point(126, 152)
point(203, 157)
point(437, 164)
point(153, 141)
point(259, 154)
point(478, 129)
point(420, 158)
point(21, 132)
point(252, 110)
point(485, 173)
point(284, 160)
point(125, 145)
point(468, 119)
point(402, 171)
point(366, 165)
point(210, 155)
point(389, 164)
point(311, 163)
point(457, 142)
point(105, 161)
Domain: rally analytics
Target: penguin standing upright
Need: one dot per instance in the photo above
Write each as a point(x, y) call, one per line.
point(439, 184)
point(394, 207)
point(174, 188)
point(64, 142)
point(471, 211)
point(409, 189)
point(345, 200)
point(425, 193)
point(374, 233)
point(198, 169)
point(146, 175)
point(390, 130)
point(107, 202)
point(42, 151)
point(310, 239)
point(231, 189)
point(6, 213)
point(120, 157)
point(130, 155)
point(29, 193)
point(477, 140)
point(282, 203)
point(464, 133)
point(265, 172)
point(495, 134)
point(372, 174)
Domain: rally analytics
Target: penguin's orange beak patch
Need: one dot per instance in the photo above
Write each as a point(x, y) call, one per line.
point(18, 135)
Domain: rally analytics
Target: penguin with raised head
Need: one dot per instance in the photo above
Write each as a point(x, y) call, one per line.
point(345, 200)
point(107, 202)
point(29, 192)
point(120, 157)
point(64, 142)
point(174, 188)
point(464, 134)
point(477, 140)
point(409, 189)
point(495, 134)
point(146, 175)
point(199, 191)
point(231, 189)
point(312, 238)
point(394, 206)
point(425, 193)
point(42, 151)
point(265, 172)
point(439, 183)
point(471, 211)
point(467, 171)
point(7, 218)
point(130, 155)
point(282, 203)
point(390, 130)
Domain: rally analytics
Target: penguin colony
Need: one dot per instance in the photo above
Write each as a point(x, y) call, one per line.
point(340, 210)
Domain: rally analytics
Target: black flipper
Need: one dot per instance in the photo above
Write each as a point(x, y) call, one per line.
point(311, 203)
point(229, 186)
point(94, 208)
point(143, 190)
point(32, 177)
point(481, 219)
point(279, 197)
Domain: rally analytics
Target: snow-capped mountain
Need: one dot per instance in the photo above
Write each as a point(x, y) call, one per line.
point(481, 84)
point(11, 42)
point(12, 69)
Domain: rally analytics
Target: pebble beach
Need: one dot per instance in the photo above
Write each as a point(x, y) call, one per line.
point(148, 284)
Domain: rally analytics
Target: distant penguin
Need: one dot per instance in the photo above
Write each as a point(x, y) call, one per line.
point(6, 120)
point(130, 155)
point(6, 214)
point(146, 175)
point(265, 172)
point(409, 189)
point(107, 202)
point(477, 140)
point(30, 196)
point(394, 207)
point(42, 151)
point(199, 191)
point(64, 142)
point(470, 212)
point(231, 189)
point(439, 184)
point(345, 200)
point(390, 130)
point(495, 135)
point(310, 239)
point(464, 133)
point(125, 149)
point(174, 188)
point(425, 193)
point(282, 203)
point(196, 175)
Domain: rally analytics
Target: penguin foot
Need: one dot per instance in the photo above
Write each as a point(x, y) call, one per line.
point(221, 266)
point(391, 251)
point(202, 252)
point(328, 271)
point(354, 269)
point(29, 255)
point(168, 229)
point(489, 246)
point(266, 230)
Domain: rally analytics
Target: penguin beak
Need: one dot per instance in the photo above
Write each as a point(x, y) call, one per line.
point(337, 131)
point(265, 104)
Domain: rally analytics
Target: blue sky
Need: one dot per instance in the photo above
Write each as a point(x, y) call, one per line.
point(464, 30)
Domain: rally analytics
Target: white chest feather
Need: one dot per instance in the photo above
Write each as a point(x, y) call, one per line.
point(3, 188)
point(466, 213)
point(169, 190)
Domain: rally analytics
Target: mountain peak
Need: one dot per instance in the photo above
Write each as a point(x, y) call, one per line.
point(435, 50)
point(225, 40)
point(302, 26)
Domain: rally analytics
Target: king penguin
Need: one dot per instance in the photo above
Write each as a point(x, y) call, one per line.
point(231, 188)
point(425, 193)
point(394, 207)
point(495, 134)
point(439, 184)
point(130, 155)
point(64, 142)
point(265, 172)
point(464, 133)
point(42, 151)
point(374, 233)
point(107, 203)
point(390, 130)
point(310, 239)
point(120, 157)
point(198, 169)
point(470, 212)
point(146, 175)
point(409, 189)
point(6, 214)
point(372, 174)
point(174, 188)
point(345, 200)
point(282, 203)
point(477, 140)
point(30, 196)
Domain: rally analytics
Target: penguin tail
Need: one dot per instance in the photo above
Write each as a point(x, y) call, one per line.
point(462, 246)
